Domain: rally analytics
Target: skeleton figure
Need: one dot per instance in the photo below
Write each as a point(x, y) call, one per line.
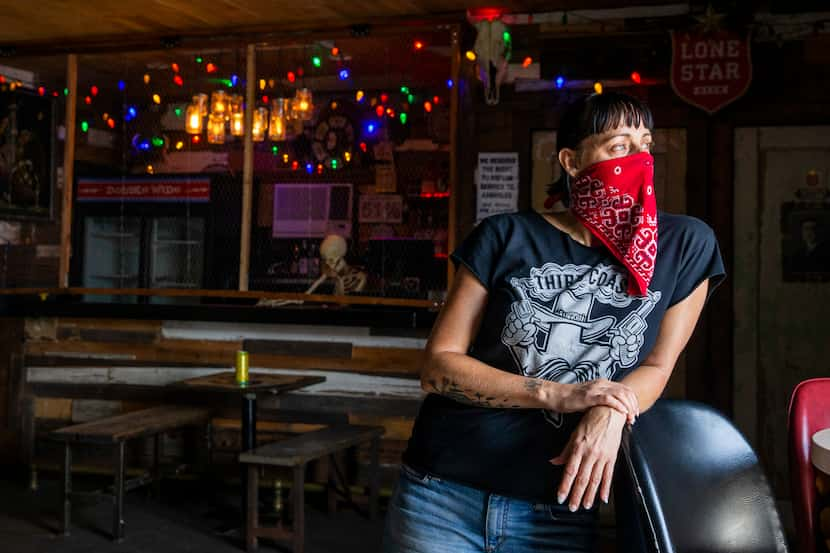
point(347, 279)
point(492, 48)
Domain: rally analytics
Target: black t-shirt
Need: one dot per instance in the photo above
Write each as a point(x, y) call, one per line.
point(555, 310)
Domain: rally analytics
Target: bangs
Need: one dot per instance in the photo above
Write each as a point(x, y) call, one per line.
point(618, 112)
point(599, 113)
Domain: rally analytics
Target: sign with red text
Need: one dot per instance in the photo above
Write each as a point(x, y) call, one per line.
point(710, 70)
point(141, 189)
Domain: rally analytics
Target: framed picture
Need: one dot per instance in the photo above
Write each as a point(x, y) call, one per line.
point(27, 155)
point(805, 241)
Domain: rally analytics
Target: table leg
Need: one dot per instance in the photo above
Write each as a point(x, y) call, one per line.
point(248, 443)
point(67, 487)
point(118, 498)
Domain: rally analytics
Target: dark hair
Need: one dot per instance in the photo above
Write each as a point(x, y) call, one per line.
point(595, 114)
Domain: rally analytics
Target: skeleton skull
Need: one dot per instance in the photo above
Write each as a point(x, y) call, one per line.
point(332, 250)
point(492, 52)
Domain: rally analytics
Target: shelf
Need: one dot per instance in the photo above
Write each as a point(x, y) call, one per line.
point(113, 235)
point(116, 277)
point(173, 284)
point(176, 243)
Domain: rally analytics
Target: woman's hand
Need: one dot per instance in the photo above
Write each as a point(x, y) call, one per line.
point(589, 458)
point(581, 397)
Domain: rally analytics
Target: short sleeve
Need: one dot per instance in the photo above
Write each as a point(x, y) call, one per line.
point(700, 260)
point(478, 251)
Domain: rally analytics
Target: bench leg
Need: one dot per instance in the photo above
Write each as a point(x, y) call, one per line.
point(374, 478)
point(157, 441)
point(118, 497)
point(252, 518)
point(298, 500)
point(67, 487)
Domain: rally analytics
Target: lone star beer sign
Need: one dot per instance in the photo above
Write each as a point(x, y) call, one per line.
point(710, 70)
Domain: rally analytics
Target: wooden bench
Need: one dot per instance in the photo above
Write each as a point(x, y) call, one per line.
point(116, 431)
point(296, 453)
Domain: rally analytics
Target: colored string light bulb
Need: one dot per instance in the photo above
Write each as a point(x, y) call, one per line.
point(411, 98)
point(506, 36)
point(418, 45)
point(450, 83)
point(527, 61)
point(403, 117)
point(210, 67)
point(179, 145)
point(636, 77)
point(262, 84)
point(66, 92)
point(122, 85)
point(404, 90)
point(379, 110)
point(174, 67)
point(195, 139)
point(178, 80)
point(359, 96)
point(598, 87)
point(436, 100)
point(84, 126)
point(198, 59)
point(285, 158)
point(105, 117)
point(344, 74)
point(335, 51)
point(88, 100)
point(291, 77)
point(275, 150)
point(295, 165)
point(158, 142)
point(234, 80)
point(156, 99)
point(363, 147)
point(470, 55)
point(347, 156)
point(560, 81)
point(319, 168)
point(93, 90)
point(334, 163)
point(41, 90)
point(309, 168)
point(111, 123)
point(316, 61)
point(427, 107)
point(146, 78)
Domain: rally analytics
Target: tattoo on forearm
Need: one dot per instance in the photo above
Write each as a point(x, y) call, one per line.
point(449, 388)
point(532, 385)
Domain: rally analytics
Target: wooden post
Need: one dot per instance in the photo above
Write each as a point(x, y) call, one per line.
point(455, 69)
point(68, 169)
point(247, 170)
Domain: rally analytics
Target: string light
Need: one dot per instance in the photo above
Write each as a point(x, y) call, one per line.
point(66, 92)
point(178, 112)
point(105, 116)
point(146, 78)
point(111, 123)
point(470, 55)
point(527, 61)
point(198, 59)
point(418, 45)
point(178, 80)
point(359, 96)
point(390, 112)
point(344, 74)
point(210, 67)
point(156, 98)
point(411, 98)
point(598, 87)
point(404, 90)
point(291, 77)
point(285, 158)
point(334, 163)
point(319, 168)
point(347, 156)
point(450, 83)
point(122, 85)
point(384, 98)
point(234, 80)
point(436, 100)
point(427, 106)
point(309, 168)
point(316, 61)
point(84, 126)
point(335, 51)
point(195, 139)
point(262, 84)
point(131, 114)
point(265, 98)
point(41, 90)
point(275, 150)
point(379, 110)
point(363, 147)
point(636, 77)
point(295, 165)
point(560, 81)
point(158, 142)
point(88, 100)
point(93, 90)
point(403, 117)
point(371, 127)
point(174, 67)
point(150, 169)
point(179, 145)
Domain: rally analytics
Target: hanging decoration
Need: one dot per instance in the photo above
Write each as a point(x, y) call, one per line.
point(493, 47)
point(280, 113)
point(216, 128)
point(237, 115)
point(302, 108)
point(259, 124)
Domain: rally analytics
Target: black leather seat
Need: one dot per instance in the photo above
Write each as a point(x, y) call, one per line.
point(688, 482)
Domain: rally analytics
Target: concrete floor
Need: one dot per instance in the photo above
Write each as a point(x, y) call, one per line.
point(184, 519)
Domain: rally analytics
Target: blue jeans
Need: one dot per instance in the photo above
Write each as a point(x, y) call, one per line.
point(431, 515)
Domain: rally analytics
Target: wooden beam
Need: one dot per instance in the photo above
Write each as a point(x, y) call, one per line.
point(247, 169)
point(455, 69)
point(173, 292)
point(68, 168)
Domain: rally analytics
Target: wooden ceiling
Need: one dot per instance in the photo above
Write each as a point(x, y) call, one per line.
point(62, 25)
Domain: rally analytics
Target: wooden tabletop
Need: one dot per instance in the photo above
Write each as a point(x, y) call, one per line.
point(135, 424)
point(257, 382)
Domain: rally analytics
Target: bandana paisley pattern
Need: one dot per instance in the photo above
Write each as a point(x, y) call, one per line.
point(615, 200)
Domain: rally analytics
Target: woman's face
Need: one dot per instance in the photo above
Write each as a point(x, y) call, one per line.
point(619, 142)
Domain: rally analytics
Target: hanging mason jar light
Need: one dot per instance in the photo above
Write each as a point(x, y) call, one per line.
point(201, 100)
point(237, 115)
point(302, 107)
point(259, 124)
point(280, 109)
point(193, 118)
point(219, 103)
point(216, 129)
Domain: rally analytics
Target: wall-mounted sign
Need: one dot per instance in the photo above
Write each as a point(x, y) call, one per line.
point(498, 183)
point(380, 208)
point(710, 70)
point(152, 189)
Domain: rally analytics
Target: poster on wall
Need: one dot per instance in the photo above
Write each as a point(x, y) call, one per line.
point(544, 168)
point(805, 233)
point(498, 183)
point(710, 69)
point(26, 154)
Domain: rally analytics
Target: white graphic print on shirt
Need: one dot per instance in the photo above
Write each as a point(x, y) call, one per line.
point(551, 333)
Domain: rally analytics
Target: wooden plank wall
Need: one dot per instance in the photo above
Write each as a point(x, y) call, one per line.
point(372, 378)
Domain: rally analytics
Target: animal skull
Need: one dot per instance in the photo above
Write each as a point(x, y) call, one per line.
point(492, 53)
point(333, 250)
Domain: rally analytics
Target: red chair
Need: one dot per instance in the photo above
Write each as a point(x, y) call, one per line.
point(809, 412)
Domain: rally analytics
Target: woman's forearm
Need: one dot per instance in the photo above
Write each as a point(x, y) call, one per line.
point(468, 380)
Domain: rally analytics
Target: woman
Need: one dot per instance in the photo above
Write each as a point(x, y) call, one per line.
point(558, 330)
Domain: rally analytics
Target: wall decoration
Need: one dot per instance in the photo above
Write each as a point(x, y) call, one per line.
point(498, 183)
point(544, 167)
point(380, 208)
point(805, 232)
point(710, 69)
point(26, 154)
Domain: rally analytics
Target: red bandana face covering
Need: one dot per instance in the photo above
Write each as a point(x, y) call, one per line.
point(615, 200)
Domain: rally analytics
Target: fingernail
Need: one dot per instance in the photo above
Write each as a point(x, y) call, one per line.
point(572, 508)
point(605, 499)
point(589, 505)
point(560, 498)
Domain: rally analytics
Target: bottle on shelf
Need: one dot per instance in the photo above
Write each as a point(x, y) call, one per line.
point(302, 263)
point(314, 261)
point(294, 267)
